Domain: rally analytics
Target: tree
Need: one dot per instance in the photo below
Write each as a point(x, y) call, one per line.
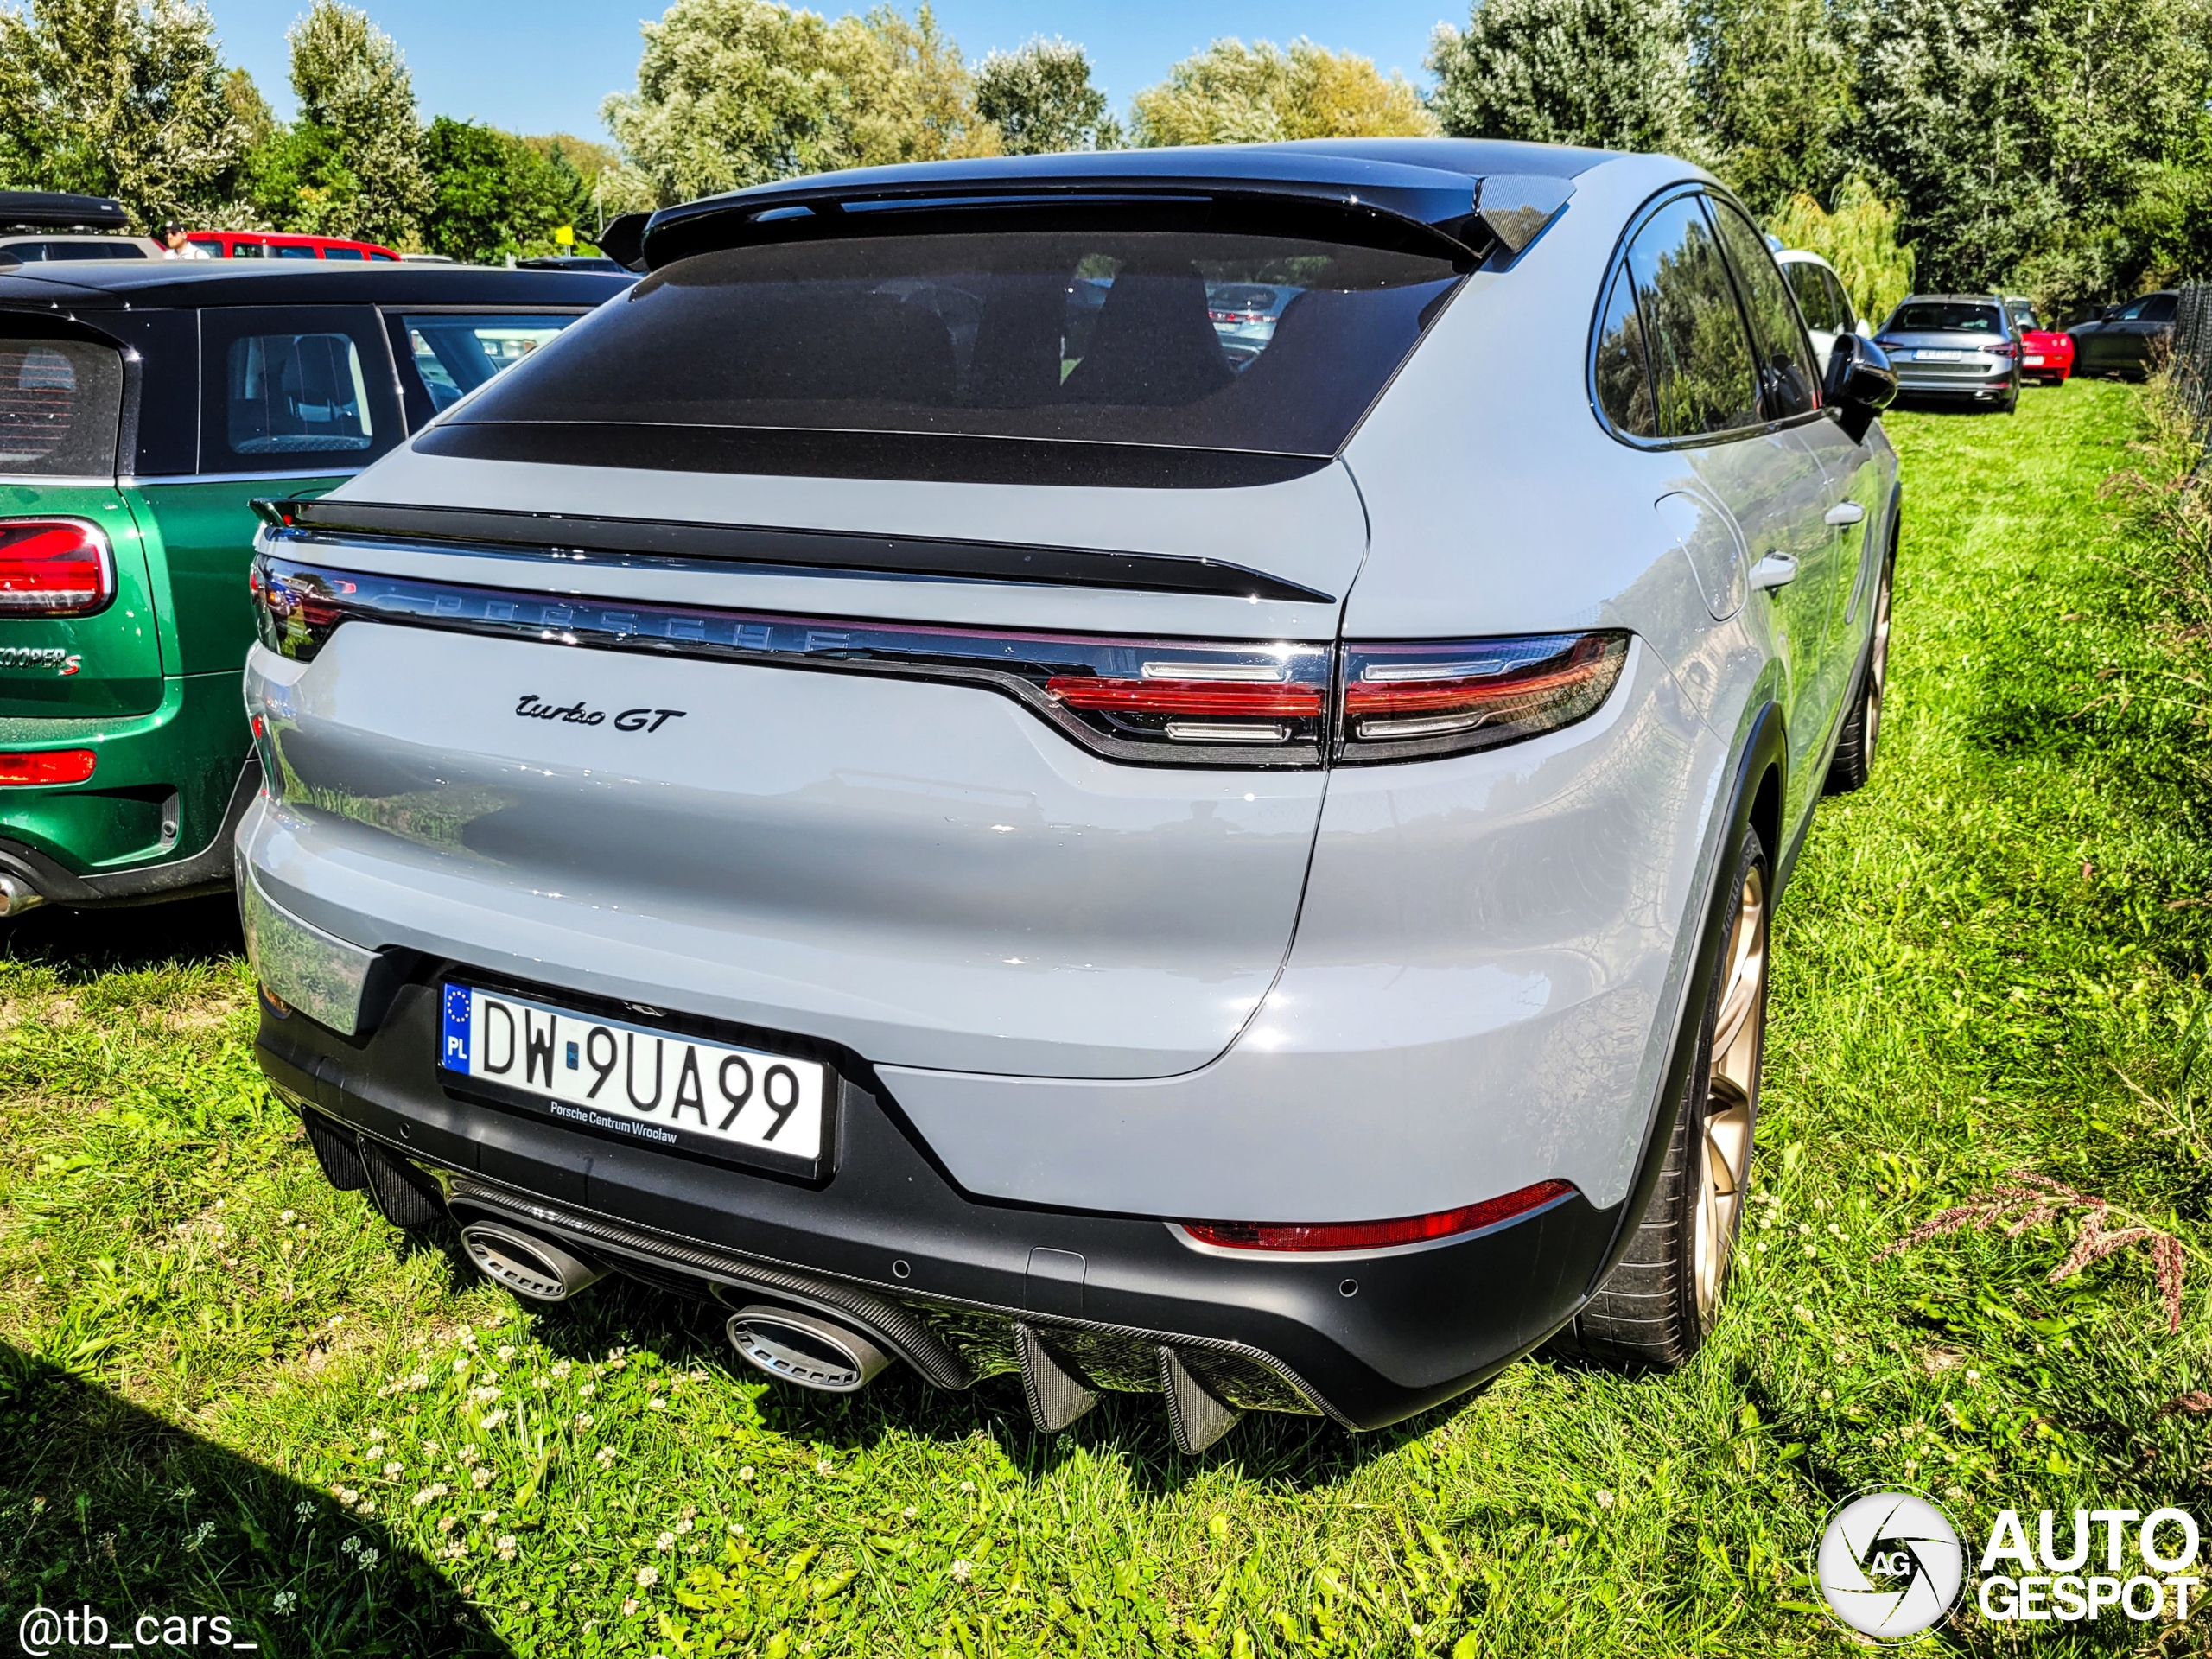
point(116, 99)
point(1860, 238)
point(1609, 73)
point(1234, 93)
point(352, 164)
point(734, 93)
point(1771, 82)
point(493, 194)
point(1040, 98)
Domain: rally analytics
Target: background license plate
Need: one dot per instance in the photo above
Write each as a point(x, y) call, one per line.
point(658, 1087)
point(1942, 357)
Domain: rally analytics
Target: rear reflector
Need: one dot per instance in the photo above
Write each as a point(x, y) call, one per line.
point(47, 766)
point(1376, 1235)
point(54, 566)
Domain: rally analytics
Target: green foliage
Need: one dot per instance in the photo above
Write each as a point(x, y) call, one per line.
point(1040, 98)
point(1234, 93)
point(1860, 238)
point(732, 93)
point(116, 98)
point(1992, 959)
point(1613, 73)
point(352, 164)
point(493, 194)
point(1772, 82)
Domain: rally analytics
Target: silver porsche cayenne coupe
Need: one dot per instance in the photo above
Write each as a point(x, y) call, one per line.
point(941, 780)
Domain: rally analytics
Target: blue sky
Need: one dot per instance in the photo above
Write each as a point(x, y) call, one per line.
point(542, 66)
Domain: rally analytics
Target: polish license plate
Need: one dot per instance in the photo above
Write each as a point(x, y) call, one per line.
point(655, 1087)
point(2032, 360)
point(1941, 357)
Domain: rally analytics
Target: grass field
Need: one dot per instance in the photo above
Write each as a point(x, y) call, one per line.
point(226, 1389)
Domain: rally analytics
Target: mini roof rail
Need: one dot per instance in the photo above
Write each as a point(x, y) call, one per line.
point(57, 210)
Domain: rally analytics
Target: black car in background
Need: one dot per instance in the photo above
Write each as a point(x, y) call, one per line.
point(2125, 340)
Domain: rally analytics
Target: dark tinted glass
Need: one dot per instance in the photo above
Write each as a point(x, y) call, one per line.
point(1946, 317)
point(2024, 316)
point(343, 253)
point(296, 394)
point(1622, 370)
point(1115, 336)
point(82, 248)
point(293, 250)
point(454, 354)
point(1808, 284)
point(1843, 308)
point(2159, 307)
point(1787, 376)
point(1701, 359)
point(60, 401)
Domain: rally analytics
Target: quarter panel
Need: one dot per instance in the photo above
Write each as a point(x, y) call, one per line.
point(1480, 996)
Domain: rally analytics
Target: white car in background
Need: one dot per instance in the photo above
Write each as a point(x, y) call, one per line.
point(1821, 296)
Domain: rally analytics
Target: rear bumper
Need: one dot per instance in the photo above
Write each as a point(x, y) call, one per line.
point(951, 1280)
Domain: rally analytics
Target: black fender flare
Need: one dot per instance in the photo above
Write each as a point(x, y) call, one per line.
point(1764, 755)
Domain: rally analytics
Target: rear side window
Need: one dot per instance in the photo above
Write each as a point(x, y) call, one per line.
point(1701, 370)
point(60, 402)
point(1190, 340)
point(343, 253)
point(292, 251)
point(295, 389)
point(65, 248)
point(1622, 370)
point(451, 356)
point(2159, 307)
point(1819, 298)
point(1787, 378)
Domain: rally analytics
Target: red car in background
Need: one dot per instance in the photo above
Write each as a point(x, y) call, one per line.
point(2045, 355)
point(277, 244)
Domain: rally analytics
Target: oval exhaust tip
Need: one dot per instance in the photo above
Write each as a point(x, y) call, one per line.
point(527, 1264)
point(803, 1348)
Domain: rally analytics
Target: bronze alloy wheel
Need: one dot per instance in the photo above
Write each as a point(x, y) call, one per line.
point(1663, 1299)
point(1732, 1098)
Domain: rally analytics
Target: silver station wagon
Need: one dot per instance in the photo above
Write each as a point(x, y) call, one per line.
point(908, 780)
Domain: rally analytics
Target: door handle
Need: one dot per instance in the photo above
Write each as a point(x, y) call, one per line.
point(1775, 570)
point(1845, 512)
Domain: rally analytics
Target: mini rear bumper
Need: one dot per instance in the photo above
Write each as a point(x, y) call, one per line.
point(961, 1287)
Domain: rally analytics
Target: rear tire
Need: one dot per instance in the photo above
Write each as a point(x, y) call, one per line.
point(1657, 1307)
point(1852, 763)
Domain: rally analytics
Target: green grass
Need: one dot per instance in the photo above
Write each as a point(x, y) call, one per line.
point(1990, 961)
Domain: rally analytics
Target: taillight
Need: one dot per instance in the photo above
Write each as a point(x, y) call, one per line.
point(1412, 701)
point(54, 566)
point(1377, 1235)
point(296, 610)
point(47, 766)
point(1187, 700)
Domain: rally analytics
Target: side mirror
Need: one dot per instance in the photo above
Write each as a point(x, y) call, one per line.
point(1859, 383)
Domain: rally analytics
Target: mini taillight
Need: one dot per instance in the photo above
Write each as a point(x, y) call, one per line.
point(1377, 1235)
point(47, 766)
point(54, 566)
point(1407, 701)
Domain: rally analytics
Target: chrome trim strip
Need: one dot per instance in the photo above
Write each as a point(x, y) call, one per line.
point(1014, 663)
point(300, 964)
point(294, 474)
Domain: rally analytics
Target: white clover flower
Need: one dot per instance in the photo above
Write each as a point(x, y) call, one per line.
point(541, 1383)
point(561, 1370)
point(656, 1404)
point(746, 1474)
point(183, 1494)
point(683, 1523)
point(494, 1419)
point(420, 1381)
point(198, 1534)
point(430, 1494)
point(461, 1368)
point(506, 1350)
point(468, 1454)
point(282, 1602)
point(605, 1457)
point(484, 1395)
point(648, 1577)
point(629, 1606)
point(368, 1559)
point(588, 1390)
point(1605, 1499)
point(376, 1434)
point(967, 1485)
point(962, 1571)
point(910, 1511)
point(822, 1466)
point(351, 1546)
point(505, 1546)
point(303, 1509)
point(480, 1478)
point(584, 1420)
point(666, 1542)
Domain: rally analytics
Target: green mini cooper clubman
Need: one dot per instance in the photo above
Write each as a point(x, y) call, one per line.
point(144, 405)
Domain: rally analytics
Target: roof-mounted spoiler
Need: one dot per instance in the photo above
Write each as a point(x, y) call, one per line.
point(1494, 218)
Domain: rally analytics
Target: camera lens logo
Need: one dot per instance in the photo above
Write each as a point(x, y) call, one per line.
point(1890, 1564)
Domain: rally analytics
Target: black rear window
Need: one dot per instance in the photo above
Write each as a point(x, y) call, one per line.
point(1946, 317)
point(1194, 340)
